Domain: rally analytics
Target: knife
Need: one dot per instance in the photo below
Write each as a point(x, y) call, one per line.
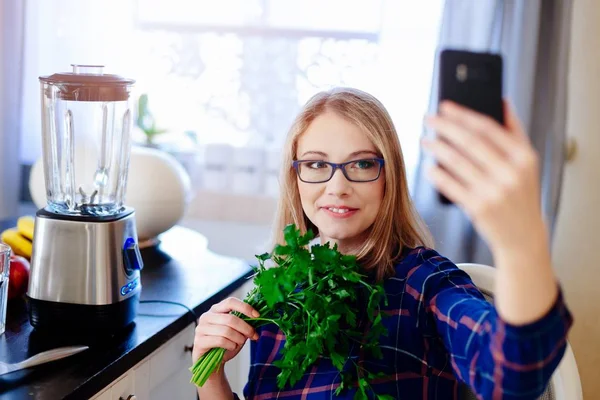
point(41, 358)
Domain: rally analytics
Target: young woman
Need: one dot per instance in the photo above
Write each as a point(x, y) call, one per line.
point(344, 177)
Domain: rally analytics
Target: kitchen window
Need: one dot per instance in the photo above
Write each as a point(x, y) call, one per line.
point(236, 72)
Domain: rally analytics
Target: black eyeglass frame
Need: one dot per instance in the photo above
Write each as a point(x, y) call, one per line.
point(341, 166)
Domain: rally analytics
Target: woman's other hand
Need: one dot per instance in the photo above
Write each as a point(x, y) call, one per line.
point(219, 328)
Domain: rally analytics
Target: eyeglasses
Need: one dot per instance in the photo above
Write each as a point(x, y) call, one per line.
point(318, 171)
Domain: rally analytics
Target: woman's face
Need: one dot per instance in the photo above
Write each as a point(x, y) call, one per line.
point(342, 210)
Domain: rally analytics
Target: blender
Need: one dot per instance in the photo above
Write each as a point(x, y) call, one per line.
point(85, 265)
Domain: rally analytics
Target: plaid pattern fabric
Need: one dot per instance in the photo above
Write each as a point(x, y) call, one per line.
point(441, 331)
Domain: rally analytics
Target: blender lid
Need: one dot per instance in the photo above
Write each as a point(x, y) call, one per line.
point(88, 83)
point(86, 74)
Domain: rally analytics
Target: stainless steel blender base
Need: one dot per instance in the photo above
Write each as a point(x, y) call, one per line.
point(77, 319)
point(85, 271)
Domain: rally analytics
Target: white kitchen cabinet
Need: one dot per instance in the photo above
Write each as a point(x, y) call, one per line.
point(169, 368)
point(103, 395)
point(164, 374)
point(123, 388)
point(141, 381)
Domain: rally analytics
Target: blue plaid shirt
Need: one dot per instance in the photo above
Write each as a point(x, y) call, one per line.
point(441, 331)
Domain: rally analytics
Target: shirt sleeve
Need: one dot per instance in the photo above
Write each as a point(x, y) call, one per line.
point(495, 359)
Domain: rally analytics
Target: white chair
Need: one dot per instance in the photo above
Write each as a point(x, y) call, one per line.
point(565, 383)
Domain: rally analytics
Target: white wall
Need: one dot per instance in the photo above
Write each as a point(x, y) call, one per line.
point(577, 240)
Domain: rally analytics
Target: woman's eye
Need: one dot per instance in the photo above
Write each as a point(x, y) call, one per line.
point(317, 164)
point(364, 164)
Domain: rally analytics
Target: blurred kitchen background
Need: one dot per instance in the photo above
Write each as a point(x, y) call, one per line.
point(219, 82)
point(223, 80)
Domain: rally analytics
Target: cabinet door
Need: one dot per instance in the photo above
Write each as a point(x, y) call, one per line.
point(162, 375)
point(122, 389)
point(141, 380)
point(169, 368)
point(103, 395)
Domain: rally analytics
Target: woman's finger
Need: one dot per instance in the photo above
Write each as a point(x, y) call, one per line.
point(224, 331)
point(205, 343)
point(448, 185)
point(454, 162)
point(485, 125)
point(229, 320)
point(233, 304)
point(477, 148)
point(513, 124)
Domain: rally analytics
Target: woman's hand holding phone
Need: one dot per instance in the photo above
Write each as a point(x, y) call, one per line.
point(489, 170)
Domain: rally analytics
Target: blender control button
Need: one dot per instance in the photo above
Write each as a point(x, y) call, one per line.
point(129, 287)
point(131, 256)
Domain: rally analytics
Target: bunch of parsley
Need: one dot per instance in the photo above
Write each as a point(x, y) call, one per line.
point(322, 302)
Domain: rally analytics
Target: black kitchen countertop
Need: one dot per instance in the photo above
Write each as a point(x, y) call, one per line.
point(179, 269)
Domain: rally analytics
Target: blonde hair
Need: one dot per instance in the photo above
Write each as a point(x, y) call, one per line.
point(397, 224)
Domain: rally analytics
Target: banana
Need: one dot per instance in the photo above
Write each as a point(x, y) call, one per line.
point(25, 226)
point(17, 242)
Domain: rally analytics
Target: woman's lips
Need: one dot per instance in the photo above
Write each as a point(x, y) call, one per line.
point(339, 211)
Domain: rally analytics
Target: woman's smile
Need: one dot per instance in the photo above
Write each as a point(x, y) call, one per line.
point(339, 212)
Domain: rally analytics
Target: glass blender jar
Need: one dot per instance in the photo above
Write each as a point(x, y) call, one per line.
point(86, 120)
point(85, 262)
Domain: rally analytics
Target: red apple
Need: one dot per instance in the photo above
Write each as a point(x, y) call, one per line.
point(18, 276)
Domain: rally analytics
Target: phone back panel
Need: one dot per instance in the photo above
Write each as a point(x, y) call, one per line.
point(473, 80)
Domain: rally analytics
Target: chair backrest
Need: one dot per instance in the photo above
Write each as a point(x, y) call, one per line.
point(565, 383)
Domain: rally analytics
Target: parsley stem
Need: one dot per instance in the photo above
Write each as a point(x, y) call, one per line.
point(260, 319)
point(206, 364)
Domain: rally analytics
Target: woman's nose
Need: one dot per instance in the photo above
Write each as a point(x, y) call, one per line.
point(338, 185)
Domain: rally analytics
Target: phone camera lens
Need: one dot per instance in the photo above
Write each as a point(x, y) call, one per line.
point(461, 72)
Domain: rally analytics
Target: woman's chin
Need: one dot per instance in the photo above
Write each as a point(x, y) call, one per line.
point(337, 235)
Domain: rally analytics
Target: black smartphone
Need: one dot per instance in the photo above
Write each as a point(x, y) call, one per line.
point(473, 80)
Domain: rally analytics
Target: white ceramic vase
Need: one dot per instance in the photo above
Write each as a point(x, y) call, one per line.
point(158, 188)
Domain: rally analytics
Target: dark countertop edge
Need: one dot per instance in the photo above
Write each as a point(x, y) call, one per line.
point(130, 359)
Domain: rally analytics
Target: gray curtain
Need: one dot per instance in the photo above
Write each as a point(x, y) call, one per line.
point(533, 37)
point(11, 67)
